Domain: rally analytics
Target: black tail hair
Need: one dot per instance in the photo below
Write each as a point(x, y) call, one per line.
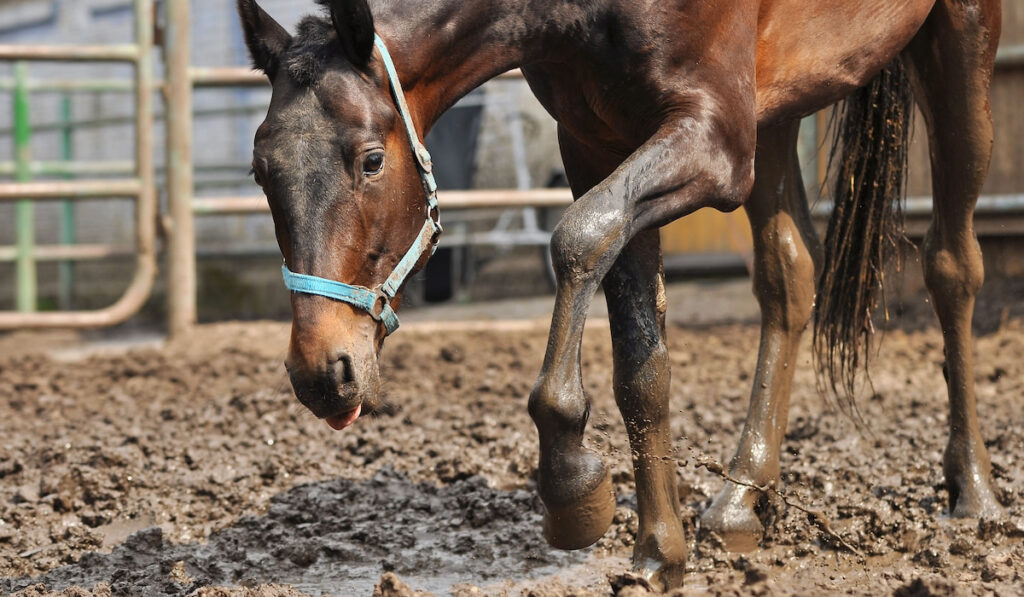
point(868, 160)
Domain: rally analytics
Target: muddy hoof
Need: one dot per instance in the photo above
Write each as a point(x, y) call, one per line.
point(970, 486)
point(974, 500)
point(732, 519)
point(664, 576)
point(580, 522)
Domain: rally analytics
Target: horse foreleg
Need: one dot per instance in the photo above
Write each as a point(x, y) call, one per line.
point(784, 241)
point(634, 291)
point(685, 166)
point(951, 62)
point(573, 482)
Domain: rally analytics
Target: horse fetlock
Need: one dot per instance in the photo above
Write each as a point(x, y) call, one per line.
point(558, 409)
point(576, 489)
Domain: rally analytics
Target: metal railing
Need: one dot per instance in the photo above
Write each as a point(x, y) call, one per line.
point(141, 187)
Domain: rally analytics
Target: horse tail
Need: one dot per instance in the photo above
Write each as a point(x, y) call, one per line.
point(868, 160)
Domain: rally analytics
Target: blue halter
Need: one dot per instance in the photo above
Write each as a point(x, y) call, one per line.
point(377, 301)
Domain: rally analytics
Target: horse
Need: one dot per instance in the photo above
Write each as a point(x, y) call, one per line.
point(663, 108)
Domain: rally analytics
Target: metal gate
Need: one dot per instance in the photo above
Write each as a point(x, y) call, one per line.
point(140, 187)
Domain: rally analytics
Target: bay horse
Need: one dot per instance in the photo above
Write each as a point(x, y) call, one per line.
point(663, 108)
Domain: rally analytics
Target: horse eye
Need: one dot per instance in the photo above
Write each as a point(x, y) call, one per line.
point(373, 163)
point(257, 177)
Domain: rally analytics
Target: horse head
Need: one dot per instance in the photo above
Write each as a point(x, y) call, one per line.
point(337, 166)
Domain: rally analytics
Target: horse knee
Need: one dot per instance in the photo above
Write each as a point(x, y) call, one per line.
point(583, 240)
point(729, 170)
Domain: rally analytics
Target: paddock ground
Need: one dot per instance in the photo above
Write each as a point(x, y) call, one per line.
point(133, 467)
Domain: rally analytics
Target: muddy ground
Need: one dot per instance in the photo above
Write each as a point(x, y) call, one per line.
point(190, 469)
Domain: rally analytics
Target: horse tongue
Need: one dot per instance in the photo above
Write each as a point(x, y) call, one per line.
point(339, 422)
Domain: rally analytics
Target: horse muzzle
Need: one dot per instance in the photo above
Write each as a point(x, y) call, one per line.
point(339, 391)
point(332, 360)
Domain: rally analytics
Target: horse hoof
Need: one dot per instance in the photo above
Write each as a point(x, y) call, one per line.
point(662, 566)
point(975, 500)
point(664, 577)
point(580, 522)
point(732, 519)
point(969, 481)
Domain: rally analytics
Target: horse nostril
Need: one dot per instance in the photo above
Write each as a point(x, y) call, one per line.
point(343, 372)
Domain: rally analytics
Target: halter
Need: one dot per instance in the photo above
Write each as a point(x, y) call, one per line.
point(377, 300)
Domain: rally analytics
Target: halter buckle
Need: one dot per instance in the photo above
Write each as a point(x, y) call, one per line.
point(423, 157)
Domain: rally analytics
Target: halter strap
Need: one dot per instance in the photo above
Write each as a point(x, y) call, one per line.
point(377, 301)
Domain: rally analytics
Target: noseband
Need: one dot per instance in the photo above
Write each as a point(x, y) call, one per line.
point(377, 300)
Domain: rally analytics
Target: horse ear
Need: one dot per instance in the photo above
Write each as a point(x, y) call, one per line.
point(266, 38)
point(354, 23)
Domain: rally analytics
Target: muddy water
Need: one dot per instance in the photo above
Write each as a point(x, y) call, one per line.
point(176, 470)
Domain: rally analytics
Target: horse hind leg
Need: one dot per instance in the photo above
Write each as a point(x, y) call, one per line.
point(951, 62)
point(634, 291)
point(785, 248)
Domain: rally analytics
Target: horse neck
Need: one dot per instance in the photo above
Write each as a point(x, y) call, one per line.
point(446, 48)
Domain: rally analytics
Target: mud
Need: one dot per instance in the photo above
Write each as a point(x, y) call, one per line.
point(333, 537)
point(189, 469)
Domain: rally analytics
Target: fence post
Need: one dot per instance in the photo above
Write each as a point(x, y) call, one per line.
point(67, 209)
point(181, 283)
point(24, 217)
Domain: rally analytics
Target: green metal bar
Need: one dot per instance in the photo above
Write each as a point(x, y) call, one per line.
point(66, 269)
point(23, 211)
